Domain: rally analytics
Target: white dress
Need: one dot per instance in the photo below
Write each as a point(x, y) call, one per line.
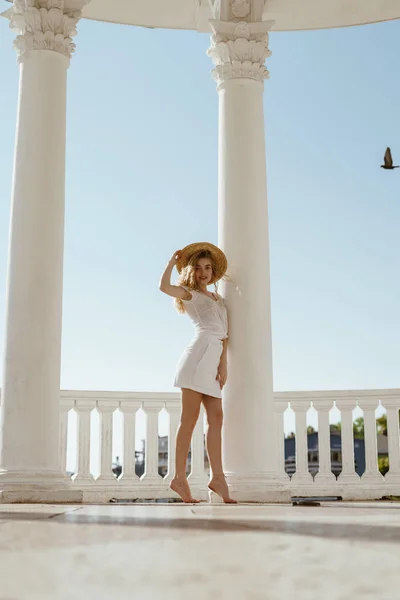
point(198, 366)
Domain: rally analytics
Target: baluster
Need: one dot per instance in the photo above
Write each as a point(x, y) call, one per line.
point(65, 406)
point(371, 474)
point(324, 474)
point(152, 409)
point(129, 410)
point(392, 414)
point(106, 410)
point(348, 474)
point(279, 411)
point(174, 411)
point(83, 410)
point(198, 478)
point(302, 476)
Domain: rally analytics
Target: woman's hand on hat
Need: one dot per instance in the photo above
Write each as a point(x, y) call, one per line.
point(175, 257)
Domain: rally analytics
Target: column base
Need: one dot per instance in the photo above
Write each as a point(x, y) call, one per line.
point(34, 480)
point(283, 478)
point(41, 496)
point(25, 487)
point(259, 487)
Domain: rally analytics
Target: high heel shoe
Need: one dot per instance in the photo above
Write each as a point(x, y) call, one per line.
point(214, 498)
point(218, 497)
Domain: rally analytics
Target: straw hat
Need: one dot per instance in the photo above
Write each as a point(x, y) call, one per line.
point(219, 258)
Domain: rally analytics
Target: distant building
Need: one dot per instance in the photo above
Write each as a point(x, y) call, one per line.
point(336, 453)
point(139, 466)
point(163, 457)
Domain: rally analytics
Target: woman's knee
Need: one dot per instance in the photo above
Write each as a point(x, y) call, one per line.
point(189, 419)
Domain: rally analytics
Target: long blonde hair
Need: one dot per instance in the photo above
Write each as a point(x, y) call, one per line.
point(187, 277)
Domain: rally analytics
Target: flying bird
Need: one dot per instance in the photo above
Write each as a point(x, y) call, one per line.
point(388, 161)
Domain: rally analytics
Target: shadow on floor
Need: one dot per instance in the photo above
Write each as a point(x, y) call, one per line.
point(352, 532)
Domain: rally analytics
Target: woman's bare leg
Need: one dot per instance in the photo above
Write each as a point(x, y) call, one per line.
point(213, 408)
point(191, 402)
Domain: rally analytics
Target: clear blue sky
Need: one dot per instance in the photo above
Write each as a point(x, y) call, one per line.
point(142, 182)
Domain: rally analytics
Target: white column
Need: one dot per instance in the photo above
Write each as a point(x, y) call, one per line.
point(29, 417)
point(348, 474)
point(239, 50)
point(392, 413)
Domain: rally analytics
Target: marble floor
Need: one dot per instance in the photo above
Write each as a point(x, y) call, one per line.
point(338, 551)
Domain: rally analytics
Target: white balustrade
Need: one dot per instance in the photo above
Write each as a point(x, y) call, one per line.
point(348, 485)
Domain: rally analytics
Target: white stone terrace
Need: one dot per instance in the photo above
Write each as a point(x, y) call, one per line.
point(333, 551)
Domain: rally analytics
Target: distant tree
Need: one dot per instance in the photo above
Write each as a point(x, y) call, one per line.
point(358, 427)
point(335, 428)
point(381, 425)
point(383, 464)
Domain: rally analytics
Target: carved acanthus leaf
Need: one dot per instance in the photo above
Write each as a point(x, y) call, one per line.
point(44, 25)
point(239, 50)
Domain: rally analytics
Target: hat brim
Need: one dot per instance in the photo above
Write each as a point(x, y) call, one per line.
point(219, 258)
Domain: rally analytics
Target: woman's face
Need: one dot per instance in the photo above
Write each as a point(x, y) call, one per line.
point(203, 271)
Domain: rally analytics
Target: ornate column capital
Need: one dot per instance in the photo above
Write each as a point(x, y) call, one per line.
point(45, 25)
point(239, 50)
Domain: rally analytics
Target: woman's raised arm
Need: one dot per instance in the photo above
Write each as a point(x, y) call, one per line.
point(176, 291)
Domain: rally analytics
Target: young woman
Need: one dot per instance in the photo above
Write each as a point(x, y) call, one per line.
point(202, 370)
